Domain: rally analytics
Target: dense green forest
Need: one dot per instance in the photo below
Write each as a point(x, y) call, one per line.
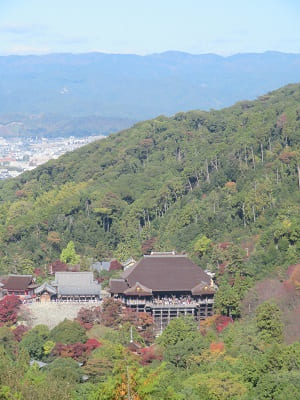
point(92, 358)
point(222, 186)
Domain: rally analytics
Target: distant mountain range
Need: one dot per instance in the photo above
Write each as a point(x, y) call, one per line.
point(54, 125)
point(119, 86)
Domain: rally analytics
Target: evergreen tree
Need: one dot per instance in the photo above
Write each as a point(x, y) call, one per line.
point(268, 322)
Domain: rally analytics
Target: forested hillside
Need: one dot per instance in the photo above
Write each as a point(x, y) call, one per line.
point(221, 185)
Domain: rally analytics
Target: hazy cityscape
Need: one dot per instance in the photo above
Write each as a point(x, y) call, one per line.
point(20, 154)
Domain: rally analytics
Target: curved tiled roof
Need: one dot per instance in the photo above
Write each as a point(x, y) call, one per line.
point(118, 285)
point(45, 287)
point(203, 288)
point(139, 290)
point(163, 273)
point(76, 283)
point(18, 282)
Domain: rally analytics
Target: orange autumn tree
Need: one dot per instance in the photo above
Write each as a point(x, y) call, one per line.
point(126, 389)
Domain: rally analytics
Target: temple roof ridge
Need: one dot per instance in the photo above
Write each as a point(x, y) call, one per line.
point(45, 287)
point(169, 272)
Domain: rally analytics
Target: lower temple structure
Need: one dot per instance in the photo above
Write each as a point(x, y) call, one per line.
point(20, 285)
point(167, 286)
point(70, 286)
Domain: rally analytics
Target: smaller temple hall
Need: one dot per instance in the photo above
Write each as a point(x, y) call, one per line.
point(70, 286)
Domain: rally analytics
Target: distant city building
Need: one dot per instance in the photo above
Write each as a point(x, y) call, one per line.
point(24, 154)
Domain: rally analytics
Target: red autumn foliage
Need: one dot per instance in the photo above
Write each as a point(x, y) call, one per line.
point(19, 332)
point(147, 245)
point(281, 121)
point(217, 347)
point(146, 142)
point(92, 344)
point(291, 269)
point(287, 156)
point(231, 186)
point(149, 354)
point(57, 266)
point(222, 321)
point(75, 351)
point(38, 272)
point(285, 295)
point(270, 288)
point(9, 307)
point(20, 193)
point(115, 265)
point(138, 319)
point(224, 245)
point(142, 321)
point(87, 317)
point(292, 321)
point(294, 275)
point(111, 314)
point(222, 268)
point(78, 351)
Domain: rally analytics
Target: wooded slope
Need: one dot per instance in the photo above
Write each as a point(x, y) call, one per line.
point(230, 175)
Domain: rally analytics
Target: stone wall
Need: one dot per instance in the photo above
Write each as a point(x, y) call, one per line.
point(50, 314)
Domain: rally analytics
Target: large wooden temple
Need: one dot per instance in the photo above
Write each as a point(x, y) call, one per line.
point(167, 286)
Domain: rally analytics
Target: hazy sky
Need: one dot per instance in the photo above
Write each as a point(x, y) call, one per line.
point(143, 27)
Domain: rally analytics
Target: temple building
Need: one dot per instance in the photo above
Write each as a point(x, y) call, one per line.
point(70, 286)
point(20, 285)
point(45, 293)
point(167, 286)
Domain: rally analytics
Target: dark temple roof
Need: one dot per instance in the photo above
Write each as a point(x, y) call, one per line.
point(118, 285)
point(18, 282)
point(162, 273)
point(139, 290)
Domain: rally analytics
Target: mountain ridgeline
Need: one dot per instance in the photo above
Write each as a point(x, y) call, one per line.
point(193, 182)
point(57, 125)
point(126, 86)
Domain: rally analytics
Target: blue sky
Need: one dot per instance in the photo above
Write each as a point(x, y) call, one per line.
point(143, 27)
